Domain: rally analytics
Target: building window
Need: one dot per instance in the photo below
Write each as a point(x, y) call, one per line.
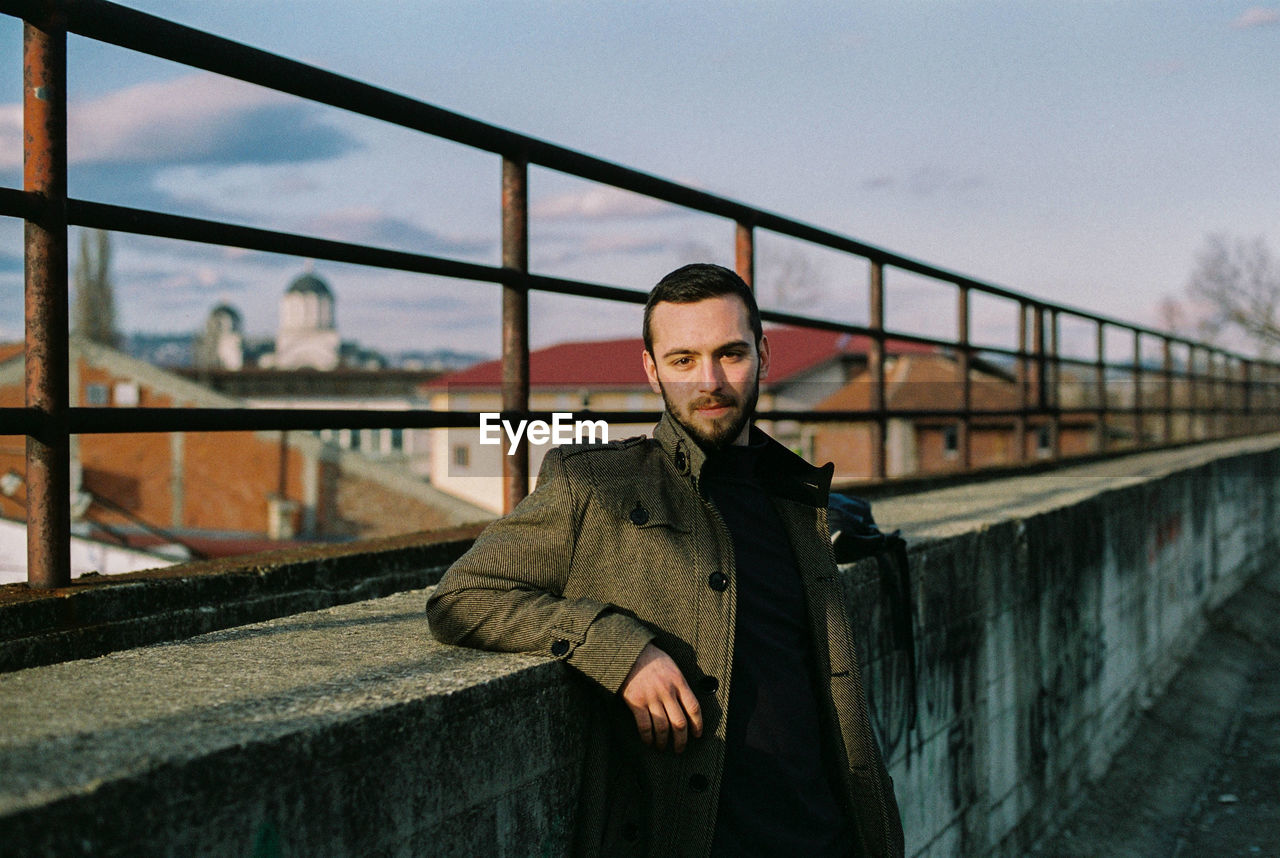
point(356, 438)
point(461, 455)
point(950, 441)
point(97, 395)
point(127, 394)
point(1044, 440)
point(397, 440)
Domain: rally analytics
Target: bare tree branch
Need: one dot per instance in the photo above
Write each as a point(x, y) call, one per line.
point(1238, 281)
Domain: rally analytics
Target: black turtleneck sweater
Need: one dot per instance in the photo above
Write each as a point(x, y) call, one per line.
point(776, 795)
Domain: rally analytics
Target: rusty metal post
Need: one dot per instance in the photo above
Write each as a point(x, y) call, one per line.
point(1024, 400)
point(44, 100)
point(515, 320)
point(1055, 380)
point(1137, 388)
point(1168, 391)
point(965, 361)
point(875, 365)
point(1100, 382)
point(745, 253)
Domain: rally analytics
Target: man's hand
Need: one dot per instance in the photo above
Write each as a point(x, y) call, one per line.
point(661, 700)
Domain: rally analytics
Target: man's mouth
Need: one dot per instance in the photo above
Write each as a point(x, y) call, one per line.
point(713, 408)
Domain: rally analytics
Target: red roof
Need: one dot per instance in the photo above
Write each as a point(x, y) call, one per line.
point(617, 363)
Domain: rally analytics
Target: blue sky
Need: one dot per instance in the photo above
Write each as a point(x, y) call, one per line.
point(1079, 151)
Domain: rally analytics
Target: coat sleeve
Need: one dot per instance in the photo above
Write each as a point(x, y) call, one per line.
point(507, 592)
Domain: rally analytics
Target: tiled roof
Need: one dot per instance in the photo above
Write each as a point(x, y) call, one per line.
point(617, 363)
point(922, 383)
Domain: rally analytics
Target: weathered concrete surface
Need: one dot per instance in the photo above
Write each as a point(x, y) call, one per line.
point(1201, 775)
point(1049, 611)
point(95, 616)
point(346, 731)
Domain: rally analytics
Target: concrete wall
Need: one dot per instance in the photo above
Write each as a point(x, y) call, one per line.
point(1048, 610)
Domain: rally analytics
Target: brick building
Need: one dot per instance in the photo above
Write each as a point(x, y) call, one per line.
point(214, 492)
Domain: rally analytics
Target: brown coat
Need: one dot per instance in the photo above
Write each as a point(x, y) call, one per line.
point(613, 550)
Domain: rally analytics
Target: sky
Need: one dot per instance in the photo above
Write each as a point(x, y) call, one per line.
point(1077, 151)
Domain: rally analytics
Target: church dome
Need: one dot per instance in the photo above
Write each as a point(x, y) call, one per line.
point(228, 316)
point(309, 284)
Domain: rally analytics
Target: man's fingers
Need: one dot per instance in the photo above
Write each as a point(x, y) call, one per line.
point(679, 726)
point(660, 727)
point(690, 703)
point(643, 723)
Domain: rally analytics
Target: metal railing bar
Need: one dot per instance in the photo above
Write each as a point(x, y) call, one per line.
point(19, 204)
point(116, 421)
point(21, 421)
point(85, 421)
point(183, 228)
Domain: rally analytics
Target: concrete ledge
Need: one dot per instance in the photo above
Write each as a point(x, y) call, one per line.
point(1049, 611)
point(346, 731)
point(99, 615)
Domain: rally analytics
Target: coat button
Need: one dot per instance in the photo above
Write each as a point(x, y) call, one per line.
point(560, 647)
point(708, 685)
point(698, 783)
point(718, 581)
point(682, 461)
point(639, 516)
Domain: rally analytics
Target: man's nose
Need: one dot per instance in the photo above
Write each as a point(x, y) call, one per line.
point(710, 376)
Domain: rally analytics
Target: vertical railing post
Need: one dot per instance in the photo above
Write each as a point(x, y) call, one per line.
point(1038, 370)
point(1055, 384)
point(1100, 381)
point(744, 254)
point(1024, 399)
point(1137, 388)
point(1246, 396)
point(966, 383)
point(515, 320)
point(1168, 390)
point(44, 99)
point(875, 364)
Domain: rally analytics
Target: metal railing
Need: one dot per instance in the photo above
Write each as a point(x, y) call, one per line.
point(1231, 394)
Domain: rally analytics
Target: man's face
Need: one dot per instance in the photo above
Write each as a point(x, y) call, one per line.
point(707, 367)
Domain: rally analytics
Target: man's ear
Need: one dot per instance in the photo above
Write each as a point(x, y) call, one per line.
point(763, 348)
point(651, 370)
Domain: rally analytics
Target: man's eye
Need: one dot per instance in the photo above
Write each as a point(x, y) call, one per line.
point(684, 361)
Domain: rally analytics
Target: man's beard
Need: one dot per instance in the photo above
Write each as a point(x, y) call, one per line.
point(716, 436)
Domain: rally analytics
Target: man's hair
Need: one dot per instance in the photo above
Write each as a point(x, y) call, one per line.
point(698, 282)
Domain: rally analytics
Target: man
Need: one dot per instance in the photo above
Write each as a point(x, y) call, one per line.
point(690, 578)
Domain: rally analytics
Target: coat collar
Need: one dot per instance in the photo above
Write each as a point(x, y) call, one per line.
point(782, 470)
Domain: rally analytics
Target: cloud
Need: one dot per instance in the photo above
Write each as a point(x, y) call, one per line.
point(10, 263)
point(621, 245)
point(368, 225)
point(601, 202)
point(1257, 16)
point(198, 119)
point(925, 181)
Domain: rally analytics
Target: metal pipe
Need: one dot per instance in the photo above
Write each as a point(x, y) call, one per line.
point(1100, 382)
point(965, 359)
point(515, 321)
point(1024, 399)
point(1137, 389)
point(44, 51)
point(875, 365)
point(744, 248)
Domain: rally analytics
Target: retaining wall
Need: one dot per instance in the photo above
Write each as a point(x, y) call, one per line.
point(1048, 611)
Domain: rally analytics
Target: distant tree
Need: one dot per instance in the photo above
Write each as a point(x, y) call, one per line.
point(95, 306)
point(1235, 287)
